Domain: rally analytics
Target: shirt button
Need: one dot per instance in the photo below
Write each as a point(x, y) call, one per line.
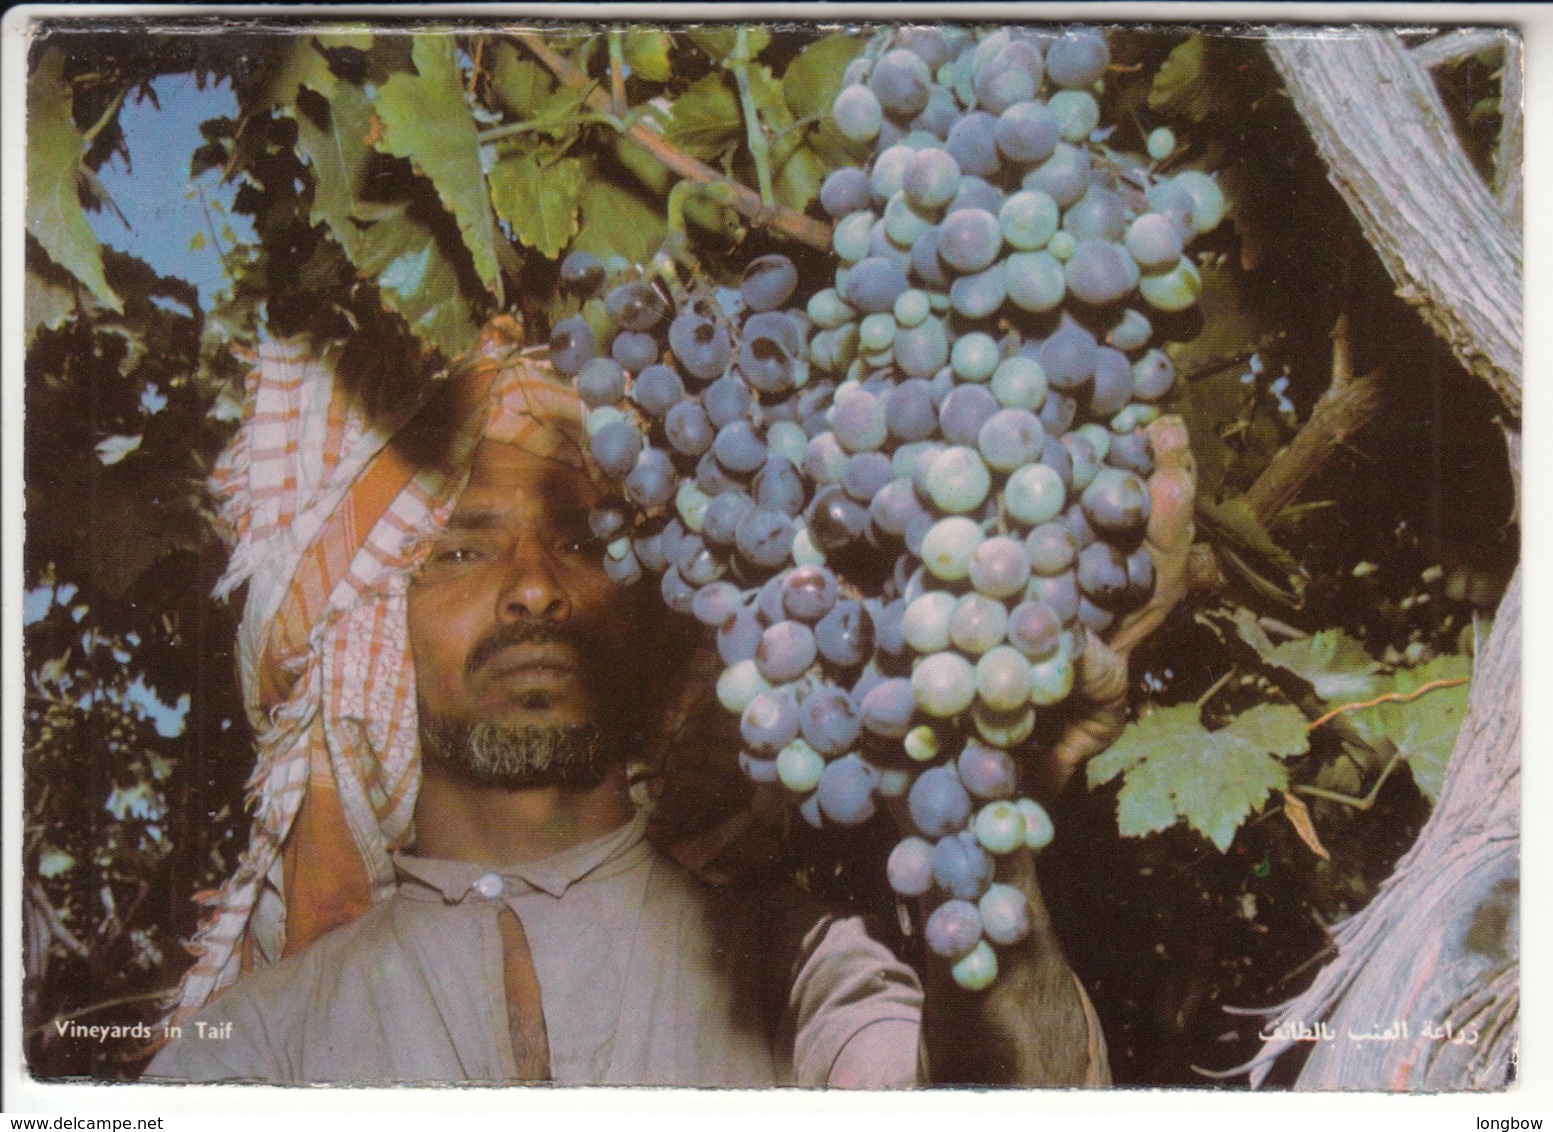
point(490, 886)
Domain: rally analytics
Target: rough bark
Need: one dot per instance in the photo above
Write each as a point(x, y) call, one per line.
point(1440, 942)
point(1390, 151)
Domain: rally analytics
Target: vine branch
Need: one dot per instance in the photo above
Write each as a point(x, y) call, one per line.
point(746, 201)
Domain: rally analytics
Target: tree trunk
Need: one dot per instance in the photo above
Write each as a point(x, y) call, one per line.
point(1439, 944)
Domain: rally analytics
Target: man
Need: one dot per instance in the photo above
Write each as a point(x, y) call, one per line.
point(529, 933)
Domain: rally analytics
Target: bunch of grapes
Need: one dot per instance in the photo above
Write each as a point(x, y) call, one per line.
point(901, 507)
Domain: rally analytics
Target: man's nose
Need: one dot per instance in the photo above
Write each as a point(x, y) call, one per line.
point(532, 588)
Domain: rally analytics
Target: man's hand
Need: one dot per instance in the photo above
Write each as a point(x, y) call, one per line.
point(1100, 694)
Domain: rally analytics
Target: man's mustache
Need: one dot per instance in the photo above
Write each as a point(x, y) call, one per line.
point(504, 637)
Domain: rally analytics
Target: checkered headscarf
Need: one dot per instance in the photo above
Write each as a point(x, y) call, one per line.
point(329, 513)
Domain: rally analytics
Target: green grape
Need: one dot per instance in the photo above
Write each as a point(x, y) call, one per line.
point(1161, 143)
point(974, 356)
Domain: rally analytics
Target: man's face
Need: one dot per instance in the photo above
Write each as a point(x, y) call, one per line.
point(512, 620)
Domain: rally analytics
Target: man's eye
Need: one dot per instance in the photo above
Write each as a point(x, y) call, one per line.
point(454, 555)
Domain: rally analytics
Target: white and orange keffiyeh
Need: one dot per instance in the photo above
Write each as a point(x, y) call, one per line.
point(328, 512)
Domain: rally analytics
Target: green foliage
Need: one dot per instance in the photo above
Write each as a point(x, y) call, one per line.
point(426, 120)
point(540, 200)
point(1424, 729)
point(1174, 769)
point(1331, 661)
point(813, 78)
point(647, 53)
point(54, 151)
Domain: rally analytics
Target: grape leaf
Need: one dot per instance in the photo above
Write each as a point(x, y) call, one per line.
point(539, 199)
point(519, 84)
point(617, 222)
point(49, 305)
point(1175, 769)
point(332, 137)
point(1332, 662)
point(1179, 77)
point(54, 149)
point(426, 120)
point(303, 65)
point(647, 52)
point(1425, 729)
point(798, 179)
point(813, 78)
point(718, 40)
point(706, 121)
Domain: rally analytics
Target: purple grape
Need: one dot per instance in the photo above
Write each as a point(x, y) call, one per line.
point(738, 636)
point(635, 306)
point(768, 601)
point(1102, 574)
point(961, 867)
point(964, 412)
point(857, 421)
point(652, 480)
point(765, 538)
point(649, 551)
point(623, 571)
point(922, 350)
point(830, 720)
point(1097, 215)
point(601, 382)
point(894, 507)
point(1058, 412)
point(865, 475)
point(785, 652)
point(727, 400)
point(1098, 273)
point(582, 272)
point(572, 345)
point(973, 143)
point(739, 448)
point(910, 868)
point(938, 803)
point(657, 389)
point(609, 518)
point(977, 192)
point(615, 448)
point(1034, 629)
point(1140, 577)
point(1027, 133)
point(900, 82)
point(1078, 60)
point(769, 723)
point(687, 428)
point(766, 364)
point(908, 411)
point(1077, 521)
point(1064, 176)
point(1113, 383)
point(1069, 356)
point(759, 770)
point(969, 240)
point(1132, 452)
point(1012, 76)
point(888, 636)
point(986, 772)
point(1059, 593)
point(845, 634)
point(846, 790)
point(931, 180)
point(844, 192)
point(1000, 567)
point(925, 264)
point(701, 344)
point(779, 487)
point(696, 563)
point(716, 603)
point(954, 929)
point(979, 296)
point(1011, 438)
point(1093, 617)
point(834, 519)
point(678, 594)
point(1117, 503)
point(711, 478)
point(874, 284)
point(888, 708)
point(769, 281)
point(809, 593)
point(1153, 375)
point(634, 350)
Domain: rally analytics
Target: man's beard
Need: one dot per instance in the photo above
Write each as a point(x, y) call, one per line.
point(576, 756)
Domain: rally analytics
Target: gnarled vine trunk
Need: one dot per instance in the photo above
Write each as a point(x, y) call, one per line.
point(1440, 942)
